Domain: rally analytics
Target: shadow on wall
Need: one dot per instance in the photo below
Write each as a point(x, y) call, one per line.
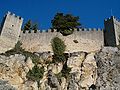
point(2, 23)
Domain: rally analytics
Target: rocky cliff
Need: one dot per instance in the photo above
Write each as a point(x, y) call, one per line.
point(82, 71)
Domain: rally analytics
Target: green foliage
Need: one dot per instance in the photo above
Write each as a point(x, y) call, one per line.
point(58, 47)
point(18, 50)
point(58, 58)
point(65, 23)
point(30, 26)
point(36, 73)
point(66, 32)
point(65, 71)
point(35, 27)
point(27, 26)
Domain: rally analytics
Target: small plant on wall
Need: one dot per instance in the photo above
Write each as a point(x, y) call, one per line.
point(36, 74)
point(58, 47)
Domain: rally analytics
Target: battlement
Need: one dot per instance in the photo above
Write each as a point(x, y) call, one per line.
point(15, 16)
point(55, 30)
point(112, 18)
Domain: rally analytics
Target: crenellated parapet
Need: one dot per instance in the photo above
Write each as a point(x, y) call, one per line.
point(87, 40)
point(14, 16)
point(56, 31)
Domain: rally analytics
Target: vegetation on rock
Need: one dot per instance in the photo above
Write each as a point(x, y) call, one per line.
point(36, 73)
point(65, 23)
point(65, 72)
point(18, 50)
point(58, 47)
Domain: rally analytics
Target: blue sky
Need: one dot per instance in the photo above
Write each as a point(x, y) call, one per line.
point(91, 12)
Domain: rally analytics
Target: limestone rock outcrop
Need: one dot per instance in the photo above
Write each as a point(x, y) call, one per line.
point(94, 71)
point(108, 62)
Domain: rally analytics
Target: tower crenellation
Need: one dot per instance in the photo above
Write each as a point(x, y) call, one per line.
point(15, 16)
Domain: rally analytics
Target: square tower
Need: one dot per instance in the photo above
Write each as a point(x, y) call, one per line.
point(10, 31)
point(111, 31)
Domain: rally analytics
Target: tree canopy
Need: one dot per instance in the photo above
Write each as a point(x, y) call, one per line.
point(65, 23)
point(30, 26)
point(27, 25)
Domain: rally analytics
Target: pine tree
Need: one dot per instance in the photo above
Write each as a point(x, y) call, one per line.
point(27, 26)
point(35, 27)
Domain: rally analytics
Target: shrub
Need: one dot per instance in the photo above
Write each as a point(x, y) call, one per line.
point(36, 73)
point(58, 47)
point(65, 71)
point(18, 50)
point(59, 58)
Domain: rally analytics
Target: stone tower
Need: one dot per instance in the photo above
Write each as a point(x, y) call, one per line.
point(111, 32)
point(10, 31)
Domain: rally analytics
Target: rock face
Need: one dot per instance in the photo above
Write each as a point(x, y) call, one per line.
point(29, 63)
point(52, 80)
point(14, 69)
point(108, 62)
point(88, 71)
point(5, 86)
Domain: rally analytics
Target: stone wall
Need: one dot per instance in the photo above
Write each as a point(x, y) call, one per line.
point(88, 40)
point(112, 31)
point(10, 31)
point(117, 30)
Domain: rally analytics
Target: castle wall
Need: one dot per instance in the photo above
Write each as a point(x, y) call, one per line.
point(109, 32)
point(117, 30)
point(112, 31)
point(41, 42)
point(10, 31)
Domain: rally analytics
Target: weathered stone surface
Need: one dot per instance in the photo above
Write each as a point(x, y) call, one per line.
point(56, 68)
point(30, 85)
point(5, 86)
point(52, 80)
point(76, 60)
point(63, 83)
point(108, 62)
point(13, 69)
point(89, 73)
point(73, 82)
point(41, 42)
point(29, 63)
point(85, 74)
point(10, 32)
